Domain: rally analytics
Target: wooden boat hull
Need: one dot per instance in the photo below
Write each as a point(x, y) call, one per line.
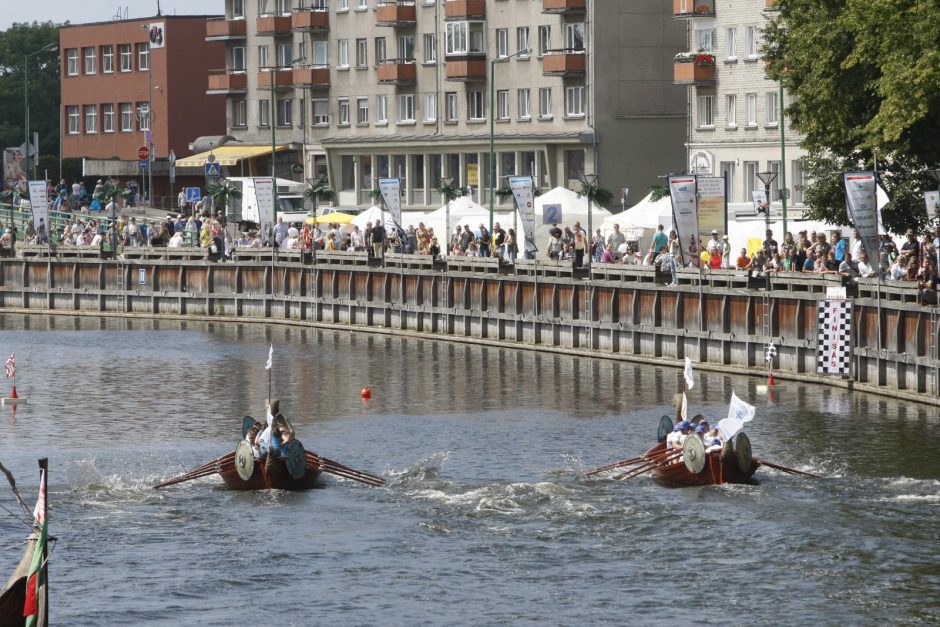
point(273, 476)
point(717, 471)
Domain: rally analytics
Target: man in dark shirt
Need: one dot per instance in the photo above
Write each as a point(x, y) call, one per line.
point(911, 248)
point(378, 239)
point(769, 245)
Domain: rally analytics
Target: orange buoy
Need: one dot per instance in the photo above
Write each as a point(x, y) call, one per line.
point(13, 395)
point(770, 380)
point(366, 393)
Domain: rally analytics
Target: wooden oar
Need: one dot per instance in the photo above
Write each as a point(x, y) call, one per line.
point(792, 471)
point(202, 471)
point(335, 468)
point(639, 459)
point(663, 460)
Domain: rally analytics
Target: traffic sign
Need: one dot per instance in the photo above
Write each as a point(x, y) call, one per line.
point(144, 164)
point(193, 194)
point(213, 169)
point(143, 153)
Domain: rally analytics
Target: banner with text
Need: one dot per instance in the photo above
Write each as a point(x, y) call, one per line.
point(682, 191)
point(834, 343)
point(391, 194)
point(862, 204)
point(264, 192)
point(521, 187)
point(712, 206)
point(39, 200)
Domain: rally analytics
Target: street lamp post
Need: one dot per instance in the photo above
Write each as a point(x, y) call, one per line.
point(767, 178)
point(46, 48)
point(449, 181)
point(591, 183)
point(492, 177)
point(783, 164)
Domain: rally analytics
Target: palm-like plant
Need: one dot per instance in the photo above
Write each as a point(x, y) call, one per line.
point(375, 195)
point(595, 194)
point(448, 190)
point(658, 192)
point(222, 195)
point(503, 192)
point(319, 190)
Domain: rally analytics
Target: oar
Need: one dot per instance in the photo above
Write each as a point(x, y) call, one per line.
point(335, 468)
point(792, 471)
point(653, 464)
point(202, 471)
point(639, 459)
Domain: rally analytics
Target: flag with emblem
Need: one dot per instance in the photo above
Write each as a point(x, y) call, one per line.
point(10, 366)
point(689, 380)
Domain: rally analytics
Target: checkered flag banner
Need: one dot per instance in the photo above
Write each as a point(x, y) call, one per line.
point(10, 366)
point(834, 346)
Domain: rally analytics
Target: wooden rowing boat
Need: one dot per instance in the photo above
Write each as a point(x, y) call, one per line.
point(272, 473)
point(719, 467)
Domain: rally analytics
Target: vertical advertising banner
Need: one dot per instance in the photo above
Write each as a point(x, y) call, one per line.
point(264, 192)
point(932, 200)
point(862, 204)
point(712, 206)
point(39, 200)
point(14, 169)
point(391, 194)
point(521, 187)
point(682, 190)
point(834, 344)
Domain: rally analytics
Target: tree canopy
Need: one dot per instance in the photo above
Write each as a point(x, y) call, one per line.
point(865, 80)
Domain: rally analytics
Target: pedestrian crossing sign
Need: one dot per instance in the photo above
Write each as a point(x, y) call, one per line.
point(213, 169)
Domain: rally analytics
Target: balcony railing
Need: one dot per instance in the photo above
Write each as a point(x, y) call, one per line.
point(694, 70)
point(564, 6)
point(282, 77)
point(464, 9)
point(221, 28)
point(693, 8)
point(398, 72)
point(398, 13)
point(310, 18)
point(228, 81)
point(563, 63)
point(313, 76)
point(271, 24)
point(466, 70)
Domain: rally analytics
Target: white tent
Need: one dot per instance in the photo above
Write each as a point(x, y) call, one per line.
point(641, 219)
point(573, 208)
point(373, 214)
point(463, 211)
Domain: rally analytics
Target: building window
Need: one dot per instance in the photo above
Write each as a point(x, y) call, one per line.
point(465, 38)
point(406, 47)
point(362, 4)
point(264, 113)
point(143, 116)
point(107, 59)
point(731, 43)
point(342, 5)
point(545, 39)
point(406, 108)
point(303, 112)
point(574, 36)
point(574, 101)
point(430, 107)
point(342, 53)
point(285, 112)
point(238, 8)
point(525, 105)
point(751, 103)
point(502, 42)
point(430, 48)
point(706, 111)
point(321, 112)
point(263, 57)
point(143, 57)
point(239, 113)
point(706, 39)
point(107, 118)
point(502, 104)
point(751, 184)
point(127, 59)
point(450, 102)
point(381, 109)
point(732, 114)
point(750, 42)
point(91, 60)
point(362, 53)
point(71, 112)
point(282, 7)
point(522, 40)
point(343, 112)
point(91, 119)
point(71, 62)
point(475, 108)
point(774, 167)
point(362, 110)
point(773, 111)
point(285, 54)
point(727, 171)
point(127, 117)
point(379, 50)
point(238, 58)
point(545, 102)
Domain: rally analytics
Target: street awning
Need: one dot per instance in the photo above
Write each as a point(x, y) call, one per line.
point(226, 155)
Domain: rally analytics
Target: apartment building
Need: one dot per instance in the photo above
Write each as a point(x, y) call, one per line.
point(736, 121)
point(132, 83)
point(362, 89)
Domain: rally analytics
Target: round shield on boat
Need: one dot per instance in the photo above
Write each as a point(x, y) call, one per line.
point(295, 458)
point(281, 422)
point(693, 454)
point(247, 423)
point(742, 446)
point(664, 429)
point(244, 460)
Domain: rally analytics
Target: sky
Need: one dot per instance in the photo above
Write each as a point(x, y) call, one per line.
point(59, 11)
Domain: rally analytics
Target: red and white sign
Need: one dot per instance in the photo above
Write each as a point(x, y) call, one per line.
point(143, 153)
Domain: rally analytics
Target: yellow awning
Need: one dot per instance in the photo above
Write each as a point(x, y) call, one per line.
point(226, 155)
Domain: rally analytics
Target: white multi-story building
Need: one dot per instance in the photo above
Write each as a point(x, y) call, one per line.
point(364, 89)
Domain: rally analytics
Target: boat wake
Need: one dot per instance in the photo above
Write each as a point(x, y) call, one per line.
point(426, 470)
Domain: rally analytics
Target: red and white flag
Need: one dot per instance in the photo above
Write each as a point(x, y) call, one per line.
point(34, 584)
point(10, 366)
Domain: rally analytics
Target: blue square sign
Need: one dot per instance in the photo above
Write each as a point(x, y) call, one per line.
point(213, 169)
point(193, 194)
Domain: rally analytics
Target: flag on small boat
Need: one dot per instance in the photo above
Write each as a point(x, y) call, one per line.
point(740, 410)
point(10, 366)
point(689, 381)
point(34, 583)
point(270, 361)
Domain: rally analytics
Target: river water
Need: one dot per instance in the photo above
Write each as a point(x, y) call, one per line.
point(485, 519)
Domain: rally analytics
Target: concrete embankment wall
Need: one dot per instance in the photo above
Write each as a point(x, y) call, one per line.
point(722, 323)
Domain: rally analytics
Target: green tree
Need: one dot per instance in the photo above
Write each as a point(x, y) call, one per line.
point(448, 190)
point(222, 195)
point(596, 195)
point(865, 82)
point(44, 98)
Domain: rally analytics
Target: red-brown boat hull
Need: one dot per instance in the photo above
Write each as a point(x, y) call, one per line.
point(715, 472)
point(273, 477)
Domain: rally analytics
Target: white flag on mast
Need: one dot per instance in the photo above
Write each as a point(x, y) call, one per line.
point(740, 410)
point(270, 362)
point(689, 381)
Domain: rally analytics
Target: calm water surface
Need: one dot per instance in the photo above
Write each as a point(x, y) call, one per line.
point(485, 520)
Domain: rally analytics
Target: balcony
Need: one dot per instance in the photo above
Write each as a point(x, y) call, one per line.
point(308, 19)
point(220, 29)
point(466, 70)
point(694, 69)
point(398, 72)
point(317, 76)
point(563, 63)
point(270, 24)
point(283, 78)
point(464, 9)
point(564, 6)
point(694, 8)
point(227, 82)
point(396, 14)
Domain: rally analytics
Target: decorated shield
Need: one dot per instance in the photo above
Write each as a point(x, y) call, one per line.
point(247, 423)
point(664, 429)
point(742, 446)
point(282, 423)
point(693, 454)
point(244, 460)
point(295, 458)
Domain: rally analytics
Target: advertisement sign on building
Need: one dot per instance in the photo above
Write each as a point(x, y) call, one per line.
point(712, 206)
point(156, 34)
